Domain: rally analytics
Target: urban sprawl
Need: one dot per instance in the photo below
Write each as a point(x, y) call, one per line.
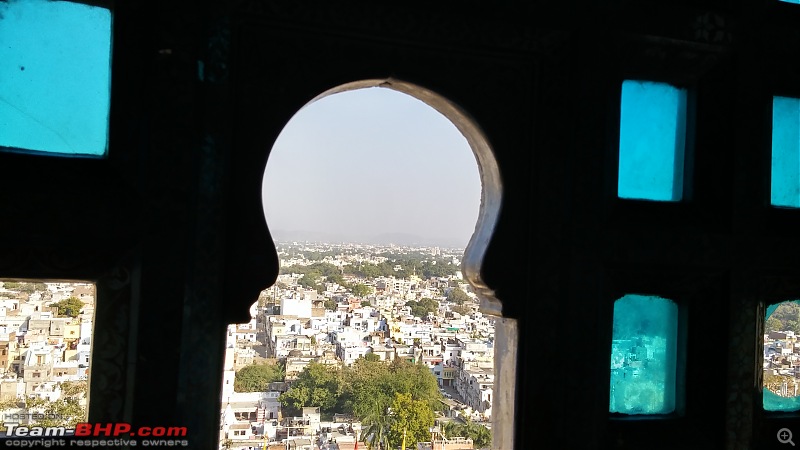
point(337, 304)
point(45, 341)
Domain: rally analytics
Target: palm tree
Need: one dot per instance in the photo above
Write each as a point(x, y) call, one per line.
point(450, 429)
point(376, 431)
point(480, 435)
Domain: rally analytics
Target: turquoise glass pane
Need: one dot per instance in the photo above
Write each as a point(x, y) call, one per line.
point(54, 77)
point(790, 1)
point(781, 361)
point(651, 141)
point(785, 152)
point(643, 355)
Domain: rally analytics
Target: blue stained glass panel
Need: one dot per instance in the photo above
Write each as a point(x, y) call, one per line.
point(643, 355)
point(54, 77)
point(785, 190)
point(652, 141)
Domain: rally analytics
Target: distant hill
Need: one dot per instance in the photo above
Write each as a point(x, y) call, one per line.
point(378, 239)
point(311, 236)
point(413, 239)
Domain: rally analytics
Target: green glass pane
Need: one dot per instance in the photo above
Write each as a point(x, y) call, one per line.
point(643, 355)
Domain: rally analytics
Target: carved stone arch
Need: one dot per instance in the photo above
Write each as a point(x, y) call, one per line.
point(491, 184)
point(472, 263)
point(281, 67)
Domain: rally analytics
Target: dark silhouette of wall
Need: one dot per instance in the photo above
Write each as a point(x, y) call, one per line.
point(170, 225)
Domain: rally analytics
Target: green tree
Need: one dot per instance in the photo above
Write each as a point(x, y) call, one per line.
point(257, 377)
point(480, 435)
point(74, 388)
point(375, 429)
point(327, 270)
point(317, 385)
point(67, 411)
point(28, 287)
point(369, 271)
point(775, 382)
point(793, 325)
point(310, 281)
point(461, 309)
point(386, 269)
point(773, 324)
point(367, 388)
point(336, 278)
point(411, 421)
point(64, 412)
point(458, 296)
point(438, 268)
point(453, 429)
point(422, 307)
point(361, 290)
point(12, 285)
point(330, 304)
point(68, 307)
point(370, 386)
point(785, 317)
point(314, 273)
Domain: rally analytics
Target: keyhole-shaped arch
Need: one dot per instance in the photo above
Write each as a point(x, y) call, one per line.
point(472, 262)
point(491, 185)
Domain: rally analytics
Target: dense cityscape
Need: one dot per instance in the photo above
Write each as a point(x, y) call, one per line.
point(45, 343)
point(355, 346)
point(349, 339)
point(361, 312)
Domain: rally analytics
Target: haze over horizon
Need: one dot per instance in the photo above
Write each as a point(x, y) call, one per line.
point(402, 239)
point(372, 166)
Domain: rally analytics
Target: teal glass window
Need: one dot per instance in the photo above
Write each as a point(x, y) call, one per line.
point(785, 190)
point(782, 357)
point(790, 1)
point(55, 62)
point(643, 355)
point(652, 141)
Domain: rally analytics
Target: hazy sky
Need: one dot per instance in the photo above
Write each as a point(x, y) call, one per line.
point(364, 163)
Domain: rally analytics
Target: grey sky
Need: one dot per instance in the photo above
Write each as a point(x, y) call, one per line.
point(364, 164)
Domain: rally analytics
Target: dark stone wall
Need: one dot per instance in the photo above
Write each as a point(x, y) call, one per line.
point(171, 226)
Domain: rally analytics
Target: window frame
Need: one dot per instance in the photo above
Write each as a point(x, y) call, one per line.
point(783, 286)
point(619, 206)
point(680, 356)
point(780, 220)
point(689, 104)
point(690, 289)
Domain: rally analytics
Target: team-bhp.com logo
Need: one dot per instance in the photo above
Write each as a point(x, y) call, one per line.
point(94, 435)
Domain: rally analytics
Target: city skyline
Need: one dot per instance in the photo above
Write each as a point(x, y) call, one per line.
point(372, 166)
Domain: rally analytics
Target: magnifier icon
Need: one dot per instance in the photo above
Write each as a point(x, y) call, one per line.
point(785, 436)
